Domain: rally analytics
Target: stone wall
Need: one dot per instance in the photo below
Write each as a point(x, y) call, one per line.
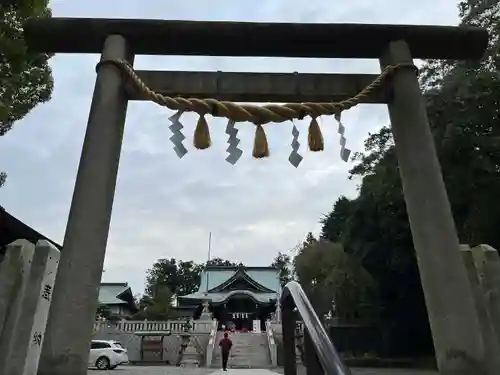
point(132, 342)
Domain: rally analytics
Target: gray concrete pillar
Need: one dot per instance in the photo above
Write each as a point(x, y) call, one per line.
point(14, 279)
point(452, 315)
point(72, 313)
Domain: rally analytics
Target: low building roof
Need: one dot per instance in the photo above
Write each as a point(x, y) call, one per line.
point(117, 294)
point(110, 293)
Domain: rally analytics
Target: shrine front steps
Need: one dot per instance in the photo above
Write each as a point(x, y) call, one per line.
point(250, 350)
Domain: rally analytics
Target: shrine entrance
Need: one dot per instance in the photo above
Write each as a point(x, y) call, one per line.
point(236, 296)
point(452, 314)
point(241, 311)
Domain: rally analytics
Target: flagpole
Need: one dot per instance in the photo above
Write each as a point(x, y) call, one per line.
point(209, 250)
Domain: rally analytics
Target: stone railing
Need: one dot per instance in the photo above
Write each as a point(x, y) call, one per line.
point(145, 326)
point(273, 351)
point(211, 344)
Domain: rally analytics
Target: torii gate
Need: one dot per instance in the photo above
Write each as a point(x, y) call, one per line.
point(454, 322)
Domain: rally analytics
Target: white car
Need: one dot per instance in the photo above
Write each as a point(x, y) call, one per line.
point(107, 355)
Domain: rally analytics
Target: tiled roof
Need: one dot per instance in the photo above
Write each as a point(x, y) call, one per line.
point(109, 292)
point(265, 276)
point(268, 278)
point(215, 278)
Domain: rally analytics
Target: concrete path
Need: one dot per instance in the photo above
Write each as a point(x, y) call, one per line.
point(171, 370)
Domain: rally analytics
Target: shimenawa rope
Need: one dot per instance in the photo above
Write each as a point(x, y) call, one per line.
point(259, 115)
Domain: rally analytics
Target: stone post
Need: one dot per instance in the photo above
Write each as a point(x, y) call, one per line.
point(206, 314)
point(452, 315)
point(487, 262)
point(74, 304)
point(492, 347)
point(14, 279)
point(185, 339)
point(27, 341)
point(288, 330)
point(313, 366)
point(277, 312)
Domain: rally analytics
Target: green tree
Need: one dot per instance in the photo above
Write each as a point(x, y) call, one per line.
point(331, 277)
point(25, 76)
point(310, 240)
point(335, 223)
point(188, 277)
point(463, 108)
point(282, 262)
point(163, 273)
point(156, 307)
point(463, 104)
point(220, 262)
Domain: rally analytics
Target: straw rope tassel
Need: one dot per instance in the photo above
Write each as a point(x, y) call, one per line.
point(201, 138)
point(315, 137)
point(260, 146)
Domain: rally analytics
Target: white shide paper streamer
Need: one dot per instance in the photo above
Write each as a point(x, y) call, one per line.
point(295, 158)
point(177, 136)
point(233, 141)
point(344, 152)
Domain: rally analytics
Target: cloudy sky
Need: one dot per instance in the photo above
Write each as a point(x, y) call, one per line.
point(165, 207)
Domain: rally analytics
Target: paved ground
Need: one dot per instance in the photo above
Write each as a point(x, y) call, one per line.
point(171, 370)
point(372, 371)
point(157, 370)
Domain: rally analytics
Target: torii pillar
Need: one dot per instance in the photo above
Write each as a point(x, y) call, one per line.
point(447, 291)
point(75, 300)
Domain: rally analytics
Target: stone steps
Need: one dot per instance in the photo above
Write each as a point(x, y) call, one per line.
point(250, 350)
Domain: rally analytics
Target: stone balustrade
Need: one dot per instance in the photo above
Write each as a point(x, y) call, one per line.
point(147, 325)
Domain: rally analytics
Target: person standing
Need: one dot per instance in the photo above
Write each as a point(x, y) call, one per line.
point(225, 347)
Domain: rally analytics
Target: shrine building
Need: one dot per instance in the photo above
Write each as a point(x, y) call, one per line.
point(237, 296)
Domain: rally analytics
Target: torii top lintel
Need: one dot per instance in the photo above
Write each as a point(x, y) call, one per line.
point(321, 40)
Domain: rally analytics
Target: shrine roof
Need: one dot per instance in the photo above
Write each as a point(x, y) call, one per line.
point(215, 280)
point(114, 293)
point(267, 277)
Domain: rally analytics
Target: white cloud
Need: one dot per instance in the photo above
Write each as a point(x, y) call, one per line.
point(165, 207)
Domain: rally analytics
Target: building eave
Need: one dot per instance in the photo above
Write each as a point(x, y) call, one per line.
point(12, 229)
